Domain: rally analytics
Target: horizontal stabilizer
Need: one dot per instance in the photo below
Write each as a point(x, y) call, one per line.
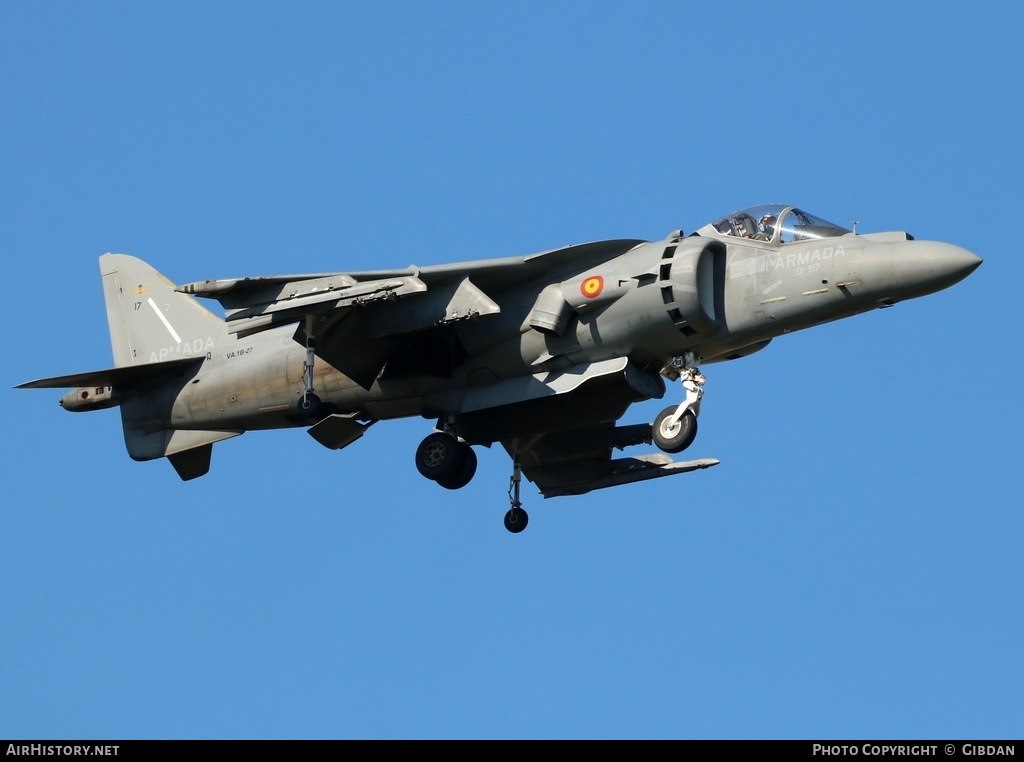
point(126, 375)
point(569, 480)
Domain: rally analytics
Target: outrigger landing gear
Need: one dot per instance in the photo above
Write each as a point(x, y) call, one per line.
point(309, 405)
point(516, 519)
point(675, 428)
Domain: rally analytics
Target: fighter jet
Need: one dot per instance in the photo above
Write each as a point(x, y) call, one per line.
point(542, 353)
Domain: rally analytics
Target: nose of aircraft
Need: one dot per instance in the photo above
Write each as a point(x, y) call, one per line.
point(929, 266)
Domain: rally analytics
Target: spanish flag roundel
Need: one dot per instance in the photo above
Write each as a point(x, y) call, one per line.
point(592, 286)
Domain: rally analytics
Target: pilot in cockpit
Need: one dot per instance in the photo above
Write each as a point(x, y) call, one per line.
point(766, 226)
point(743, 225)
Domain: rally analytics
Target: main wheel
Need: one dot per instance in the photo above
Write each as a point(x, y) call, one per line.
point(516, 520)
point(461, 478)
point(674, 437)
point(440, 456)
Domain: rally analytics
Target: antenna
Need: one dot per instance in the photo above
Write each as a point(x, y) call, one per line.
point(855, 223)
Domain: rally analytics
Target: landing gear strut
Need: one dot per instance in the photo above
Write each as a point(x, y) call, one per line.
point(516, 518)
point(444, 458)
point(675, 428)
point(309, 405)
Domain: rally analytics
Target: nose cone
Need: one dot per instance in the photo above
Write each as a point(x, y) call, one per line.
point(924, 267)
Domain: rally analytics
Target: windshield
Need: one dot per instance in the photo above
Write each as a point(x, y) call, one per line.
point(774, 222)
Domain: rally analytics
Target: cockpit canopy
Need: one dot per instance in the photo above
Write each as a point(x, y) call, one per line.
point(773, 222)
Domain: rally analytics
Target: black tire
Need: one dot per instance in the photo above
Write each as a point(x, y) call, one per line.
point(677, 437)
point(440, 456)
point(516, 520)
point(462, 477)
point(309, 406)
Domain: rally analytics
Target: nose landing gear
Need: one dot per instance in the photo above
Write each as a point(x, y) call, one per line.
point(675, 428)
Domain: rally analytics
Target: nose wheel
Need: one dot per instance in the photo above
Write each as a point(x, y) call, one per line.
point(672, 432)
point(675, 428)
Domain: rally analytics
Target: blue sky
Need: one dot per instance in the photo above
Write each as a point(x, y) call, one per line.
point(852, 569)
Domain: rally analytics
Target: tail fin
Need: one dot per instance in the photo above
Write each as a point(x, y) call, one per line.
point(151, 322)
point(160, 339)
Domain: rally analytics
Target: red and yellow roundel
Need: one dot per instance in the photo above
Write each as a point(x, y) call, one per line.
point(592, 286)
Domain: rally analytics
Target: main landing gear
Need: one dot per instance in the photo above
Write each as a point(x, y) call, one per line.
point(675, 428)
point(446, 460)
point(443, 458)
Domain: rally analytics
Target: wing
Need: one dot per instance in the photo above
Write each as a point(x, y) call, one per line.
point(562, 425)
point(361, 320)
point(578, 461)
point(277, 293)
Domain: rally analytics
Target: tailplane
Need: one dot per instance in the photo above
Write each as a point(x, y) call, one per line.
point(160, 338)
point(155, 331)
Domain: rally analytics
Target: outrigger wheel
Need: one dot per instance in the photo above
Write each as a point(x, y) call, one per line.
point(309, 405)
point(516, 519)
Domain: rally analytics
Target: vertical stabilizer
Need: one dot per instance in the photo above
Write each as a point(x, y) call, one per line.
point(149, 321)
